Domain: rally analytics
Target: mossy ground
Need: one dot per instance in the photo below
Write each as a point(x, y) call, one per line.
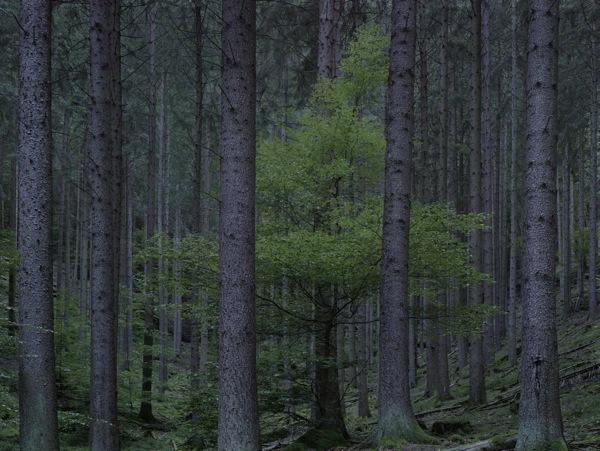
point(579, 344)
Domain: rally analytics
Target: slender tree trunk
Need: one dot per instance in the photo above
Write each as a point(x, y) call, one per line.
point(177, 320)
point(430, 334)
point(117, 144)
point(512, 277)
point(412, 343)
point(427, 162)
point(540, 423)
point(477, 393)
point(565, 252)
point(593, 295)
point(396, 417)
point(37, 408)
point(487, 179)
point(197, 327)
point(444, 374)
point(150, 265)
point(84, 258)
point(162, 230)
point(581, 228)
point(363, 368)
point(127, 337)
point(238, 409)
point(12, 273)
point(288, 382)
point(330, 415)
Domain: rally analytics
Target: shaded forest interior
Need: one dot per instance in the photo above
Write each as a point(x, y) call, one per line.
point(299, 225)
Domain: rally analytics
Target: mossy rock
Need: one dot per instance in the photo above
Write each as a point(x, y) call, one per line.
point(318, 439)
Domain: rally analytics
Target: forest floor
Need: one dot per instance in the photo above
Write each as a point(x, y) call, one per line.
point(457, 425)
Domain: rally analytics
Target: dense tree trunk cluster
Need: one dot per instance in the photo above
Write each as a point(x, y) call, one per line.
point(305, 213)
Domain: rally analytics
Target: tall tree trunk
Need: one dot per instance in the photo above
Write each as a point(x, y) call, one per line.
point(200, 212)
point(127, 337)
point(104, 433)
point(330, 37)
point(12, 271)
point(238, 406)
point(443, 388)
point(593, 294)
point(328, 410)
point(363, 369)
point(580, 227)
point(413, 342)
point(84, 258)
point(37, 408)
point(396, 417)
point(177, 319)
point(477, 393)
point(540, 423)
point(117, 147)
point(514, 142)
point(150, 265)
point(162, 230)
point(427, 163)
point(565, 252)
point(487, 179)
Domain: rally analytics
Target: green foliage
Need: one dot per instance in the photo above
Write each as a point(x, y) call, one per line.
point(365, 65)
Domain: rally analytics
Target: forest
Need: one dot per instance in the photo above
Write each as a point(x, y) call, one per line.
point(294, 225)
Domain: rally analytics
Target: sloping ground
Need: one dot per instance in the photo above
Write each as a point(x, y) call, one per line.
point(461, 427)
point(496, 422)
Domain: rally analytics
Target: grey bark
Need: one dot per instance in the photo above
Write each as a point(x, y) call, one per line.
point(592, 290)
point(150, 265)
point(540, 422)
point(580, 227)
point(103, 392)
point(127, 337)
point(162, 230)
point(37, 408)
point(487, 179)
point(512, 277)
point(477, 393)
point(330, 37)
point(238, 406)
point(201, 218)
point(396, 417)
point(177, 298)
point(362, 367)
point(565, 251)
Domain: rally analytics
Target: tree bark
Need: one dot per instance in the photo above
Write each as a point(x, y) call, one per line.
point(396, 417)
point(150, 265)
point(330, 37)
point(487, 179)
point(593, 294)
point(177, 298)
point(477, 393)
point(362, 367)
point(162, 230)
point(103, 393)
point(37, 408)
point(512, 277)
point(565, 252)
point(580, 227)
point(540, 423)
point(238, 406)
